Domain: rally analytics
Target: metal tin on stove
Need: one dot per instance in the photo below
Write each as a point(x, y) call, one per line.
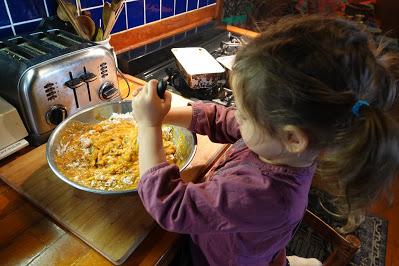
point(198, 67)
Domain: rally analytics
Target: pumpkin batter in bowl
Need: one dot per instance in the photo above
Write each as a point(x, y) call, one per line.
point(101, 155)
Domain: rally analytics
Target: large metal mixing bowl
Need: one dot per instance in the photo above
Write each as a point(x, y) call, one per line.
point(103, 111)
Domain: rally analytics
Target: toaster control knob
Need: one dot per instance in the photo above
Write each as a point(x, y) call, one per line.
point(56, 114)
point(108, 92)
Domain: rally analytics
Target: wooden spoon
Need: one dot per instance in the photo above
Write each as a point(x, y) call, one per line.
point(117, 6)
point(87, 25)
point(110, 23)
point(62, 15)
point(72, 19)
point(107, 10)
point(114, 9)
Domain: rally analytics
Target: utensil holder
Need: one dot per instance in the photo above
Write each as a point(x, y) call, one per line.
point(106, 44)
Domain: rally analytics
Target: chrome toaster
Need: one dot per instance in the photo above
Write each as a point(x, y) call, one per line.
point(50, 75)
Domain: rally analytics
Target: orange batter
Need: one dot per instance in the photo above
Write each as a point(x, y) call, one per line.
point(104, 156)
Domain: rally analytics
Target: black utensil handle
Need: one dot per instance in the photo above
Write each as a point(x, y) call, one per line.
point(161, 88)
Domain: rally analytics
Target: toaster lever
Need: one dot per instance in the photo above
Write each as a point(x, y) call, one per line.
point(74, 83)
point(88, 77)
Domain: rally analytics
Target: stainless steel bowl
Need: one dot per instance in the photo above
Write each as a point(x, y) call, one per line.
point(93, 115)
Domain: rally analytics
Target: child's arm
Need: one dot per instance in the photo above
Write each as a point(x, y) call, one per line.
point(149, 111)
point(208, 207)
point(151, 138)
point(215, 121)
point(179, 116)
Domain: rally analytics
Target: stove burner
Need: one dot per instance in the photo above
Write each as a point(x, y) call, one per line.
point(229, 47)
point(148, 63)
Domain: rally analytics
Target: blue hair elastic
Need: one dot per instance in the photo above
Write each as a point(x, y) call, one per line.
point(359, 104)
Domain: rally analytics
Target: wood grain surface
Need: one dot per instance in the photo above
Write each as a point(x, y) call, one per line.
point(157, 30)
point(112, 225)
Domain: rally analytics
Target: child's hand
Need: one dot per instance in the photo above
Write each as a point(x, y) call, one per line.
point(148, 108)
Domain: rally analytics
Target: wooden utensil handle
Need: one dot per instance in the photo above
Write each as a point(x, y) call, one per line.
point(72, 19)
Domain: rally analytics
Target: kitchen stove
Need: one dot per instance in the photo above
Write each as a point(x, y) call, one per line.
point(156, 61)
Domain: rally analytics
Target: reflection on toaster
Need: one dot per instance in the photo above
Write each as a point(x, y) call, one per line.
point(50, 75)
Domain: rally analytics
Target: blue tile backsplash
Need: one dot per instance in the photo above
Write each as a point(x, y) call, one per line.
point(135, 13)
point(4, 20)
point(192, 4)
point(202, 3)
point(180, 6)
point(168, 8)
point(90, 3)
point(152, 10)
point(23, 16)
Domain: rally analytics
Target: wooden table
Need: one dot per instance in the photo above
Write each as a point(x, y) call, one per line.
point(28, 236)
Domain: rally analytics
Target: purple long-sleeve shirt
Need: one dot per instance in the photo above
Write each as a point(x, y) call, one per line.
point(243, 213)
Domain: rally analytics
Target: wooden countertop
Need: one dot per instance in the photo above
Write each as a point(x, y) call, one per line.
point(29, 236)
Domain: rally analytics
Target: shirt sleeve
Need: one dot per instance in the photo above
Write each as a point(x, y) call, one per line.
point(211, 206)
point(215, 121)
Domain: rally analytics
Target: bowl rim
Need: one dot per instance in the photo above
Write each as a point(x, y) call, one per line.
point(55, 170)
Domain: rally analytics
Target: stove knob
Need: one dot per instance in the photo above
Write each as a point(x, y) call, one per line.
point(108, 92)
point(56, 114)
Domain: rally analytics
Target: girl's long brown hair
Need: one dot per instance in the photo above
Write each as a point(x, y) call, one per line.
point(309, 72)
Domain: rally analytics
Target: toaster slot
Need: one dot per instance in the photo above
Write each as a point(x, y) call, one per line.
point(25, 48)
point(59, 40)
point(68, 39)
point(16, 52)
point(17, 40)
point(55, 43)
point(34, 49)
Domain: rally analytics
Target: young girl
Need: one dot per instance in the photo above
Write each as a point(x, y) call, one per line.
point(311, 93)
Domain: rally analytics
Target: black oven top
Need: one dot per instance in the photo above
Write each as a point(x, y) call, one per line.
point(156, 61)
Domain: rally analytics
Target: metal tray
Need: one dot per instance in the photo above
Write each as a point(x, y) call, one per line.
point(198, 67)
